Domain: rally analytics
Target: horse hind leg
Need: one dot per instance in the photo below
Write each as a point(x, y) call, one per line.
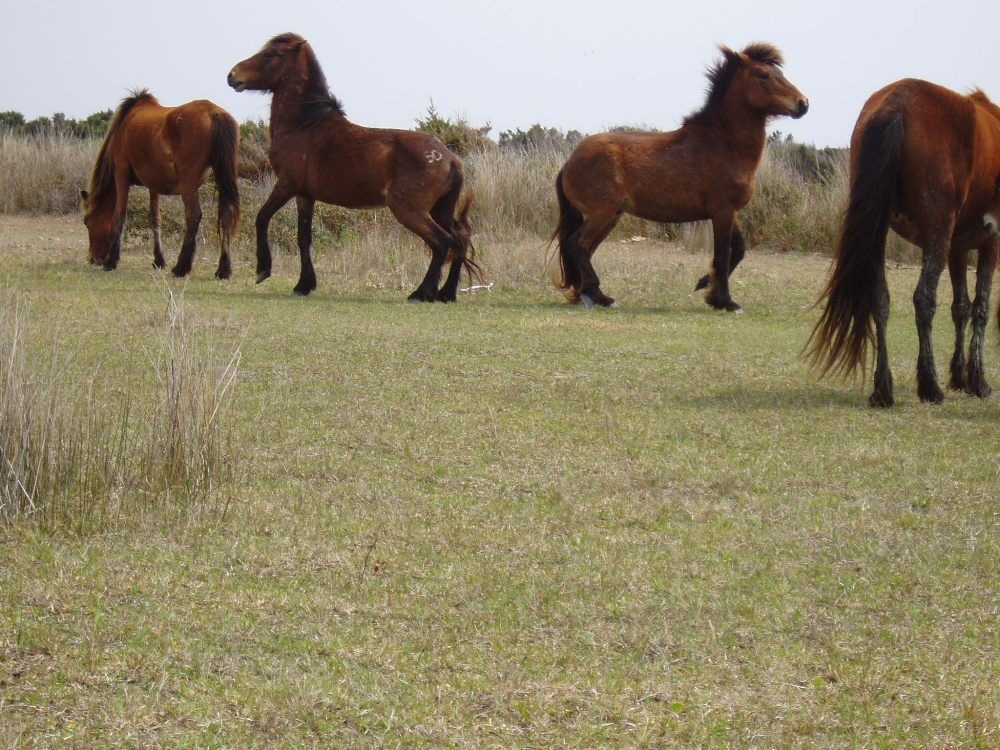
point(154, 225)
point(438, 239)
point(925, 304)
point(443, 215)
point(961, 308)
point(584, 242)
point(881, 395)
point(192, 220)
point(227, 228)
point(986, 264)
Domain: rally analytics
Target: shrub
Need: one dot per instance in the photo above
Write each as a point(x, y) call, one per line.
point(458, 135)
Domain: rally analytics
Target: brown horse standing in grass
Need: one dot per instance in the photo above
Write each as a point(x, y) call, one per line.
point(168, 150)
point(924, 161)
point(704, 170)
point(318, 155)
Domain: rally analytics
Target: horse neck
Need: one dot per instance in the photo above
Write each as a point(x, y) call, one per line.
point(743, 128)
point(287, 104)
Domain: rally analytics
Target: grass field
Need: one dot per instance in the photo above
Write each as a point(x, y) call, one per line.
point(511, 523)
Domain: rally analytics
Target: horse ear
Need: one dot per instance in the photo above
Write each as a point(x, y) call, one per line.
point(84, 194)
point(729, 54)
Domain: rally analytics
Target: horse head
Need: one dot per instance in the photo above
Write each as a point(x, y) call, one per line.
point(277, 63)
point(764, 85)
point(99, 221)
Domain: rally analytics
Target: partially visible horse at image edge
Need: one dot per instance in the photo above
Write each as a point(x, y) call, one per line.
point(925, 161)
point(169, 151)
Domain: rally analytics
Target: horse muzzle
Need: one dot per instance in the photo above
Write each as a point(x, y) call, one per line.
point(991, 224)
point(236, 81)
point(801, 107)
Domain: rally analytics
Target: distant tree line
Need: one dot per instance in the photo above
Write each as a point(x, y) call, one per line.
point(94, 126)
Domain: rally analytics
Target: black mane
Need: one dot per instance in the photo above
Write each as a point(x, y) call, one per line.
point(721, 75)
point(102, 179)
point(318, 102)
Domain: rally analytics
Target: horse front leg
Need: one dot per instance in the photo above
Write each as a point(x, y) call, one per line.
point(737, 249)
point(307, 274)
point(986, 264)
point(925, 304)
point(192, 220)
point(280, 195)
point(118, 220)
point(154, 225)
point(718, 288)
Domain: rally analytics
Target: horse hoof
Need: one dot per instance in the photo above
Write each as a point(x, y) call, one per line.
point(587, 302)
point(702, 283)
point(880, 401)
point(263, 276)
point(931, 396)
point(302, 291)
point(179, 273)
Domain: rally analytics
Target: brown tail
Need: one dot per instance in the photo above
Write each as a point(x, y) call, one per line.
point(225, 149)
point(463, 231)
point(570, 220)
point(839, 342)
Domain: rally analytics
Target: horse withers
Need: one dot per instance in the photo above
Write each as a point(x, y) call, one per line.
point(704, 170)
point(169, 151)
point(925, 161)
point(319, 155)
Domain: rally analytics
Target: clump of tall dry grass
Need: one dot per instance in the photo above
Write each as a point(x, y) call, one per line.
point(44, 174)
point(67, 461)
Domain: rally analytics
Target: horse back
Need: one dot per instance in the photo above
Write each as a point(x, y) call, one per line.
point(359, 167)
point(169, 149)
point(950, 157)
point(682, 175)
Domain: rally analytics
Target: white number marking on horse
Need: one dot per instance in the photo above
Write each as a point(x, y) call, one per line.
point(433, 155)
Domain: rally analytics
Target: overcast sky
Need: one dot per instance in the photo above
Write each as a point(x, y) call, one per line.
point(583, 65)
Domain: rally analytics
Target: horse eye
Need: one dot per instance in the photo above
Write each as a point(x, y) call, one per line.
point(761, 74)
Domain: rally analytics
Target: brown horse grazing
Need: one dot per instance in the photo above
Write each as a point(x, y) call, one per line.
point(925, 161)
point(168, 150)
point(318, 155)
point(704, 170)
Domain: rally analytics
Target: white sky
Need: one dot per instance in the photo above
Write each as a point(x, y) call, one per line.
point(585, 64)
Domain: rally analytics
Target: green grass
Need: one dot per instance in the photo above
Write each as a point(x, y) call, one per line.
point(510, 523)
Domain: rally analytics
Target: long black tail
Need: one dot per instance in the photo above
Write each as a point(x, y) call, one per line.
point(839, 342)
point(224, 160)
point(570, 220)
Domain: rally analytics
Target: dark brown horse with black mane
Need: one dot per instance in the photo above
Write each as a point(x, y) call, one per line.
point(168, 150)
point(924, 161)
point(704, 170)
point(318, 155)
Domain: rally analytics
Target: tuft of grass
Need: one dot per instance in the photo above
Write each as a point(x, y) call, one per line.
point(72, 459)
